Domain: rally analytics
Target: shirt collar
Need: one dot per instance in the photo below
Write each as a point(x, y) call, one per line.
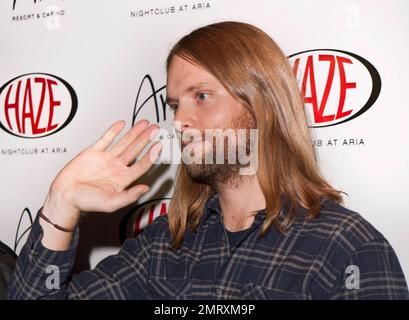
point(213, 207)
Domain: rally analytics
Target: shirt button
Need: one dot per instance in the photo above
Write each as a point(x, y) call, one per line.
point(218, 292)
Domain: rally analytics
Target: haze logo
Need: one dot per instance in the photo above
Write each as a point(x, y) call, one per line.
point(141, 216)
point(36, 105)
point(338, 86)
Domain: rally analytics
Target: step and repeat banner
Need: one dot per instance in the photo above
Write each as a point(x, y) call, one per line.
point(70, 68)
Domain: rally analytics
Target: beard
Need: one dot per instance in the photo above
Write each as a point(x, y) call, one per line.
point(216, 176)
point(219, 176)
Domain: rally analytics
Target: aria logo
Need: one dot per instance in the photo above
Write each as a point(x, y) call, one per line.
point(147, 97)
point(337, 85)
point(25, 223)
point(141, 216)
point(15, 1)
point(36, 105)
point(150, 104)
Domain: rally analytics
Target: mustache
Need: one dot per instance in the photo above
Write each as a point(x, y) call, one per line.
point(192, 135)
point(186, 138)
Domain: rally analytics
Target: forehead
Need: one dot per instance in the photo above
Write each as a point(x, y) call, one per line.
point(183, 74)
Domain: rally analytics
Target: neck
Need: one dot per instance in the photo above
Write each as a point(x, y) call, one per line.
point(240, 202)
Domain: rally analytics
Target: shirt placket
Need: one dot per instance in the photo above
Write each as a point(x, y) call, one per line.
point(227, 257)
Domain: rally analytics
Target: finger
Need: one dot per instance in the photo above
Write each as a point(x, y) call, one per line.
point(108, 137)
point(136, 147)
point(124, 198)
point(129, 137)
point(142, 166)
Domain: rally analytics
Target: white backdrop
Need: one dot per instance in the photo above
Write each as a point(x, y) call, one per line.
point(106, 50)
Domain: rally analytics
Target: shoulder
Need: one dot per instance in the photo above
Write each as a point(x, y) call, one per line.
point(351, 258)
point(158, 229)
point(343, 228)
point(154, 235)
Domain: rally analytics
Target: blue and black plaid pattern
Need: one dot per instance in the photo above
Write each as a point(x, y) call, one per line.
point(309, 261)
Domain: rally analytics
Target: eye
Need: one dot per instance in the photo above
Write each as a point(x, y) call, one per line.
point(173, 106)
point(202, 96)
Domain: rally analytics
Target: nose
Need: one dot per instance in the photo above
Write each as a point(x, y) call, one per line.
point(183, 119)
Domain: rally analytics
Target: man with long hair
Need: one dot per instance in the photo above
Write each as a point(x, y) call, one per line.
point(277, 232)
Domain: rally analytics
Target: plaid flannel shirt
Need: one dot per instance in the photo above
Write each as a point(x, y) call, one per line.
point(309, 261)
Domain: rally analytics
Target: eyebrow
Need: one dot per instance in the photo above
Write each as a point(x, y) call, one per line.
point(189, 89)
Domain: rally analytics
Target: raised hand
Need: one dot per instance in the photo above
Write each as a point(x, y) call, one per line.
point(99, 179)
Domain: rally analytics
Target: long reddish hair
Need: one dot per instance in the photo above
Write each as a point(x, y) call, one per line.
point(254, 70)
